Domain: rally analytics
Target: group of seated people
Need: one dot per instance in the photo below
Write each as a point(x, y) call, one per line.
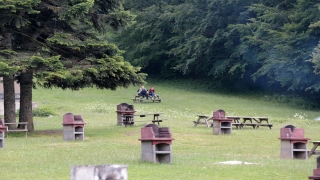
point(146, 93)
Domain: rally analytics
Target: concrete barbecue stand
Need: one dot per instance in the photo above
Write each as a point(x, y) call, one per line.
point(156, 144)
point(293, 143)
point(73, 127)
point(221, 124)
point(316, 172)
point(3, 130)
point(124, 109)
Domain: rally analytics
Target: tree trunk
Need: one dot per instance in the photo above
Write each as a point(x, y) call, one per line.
point(9, 101)
point(9, 104)
point(25, 114)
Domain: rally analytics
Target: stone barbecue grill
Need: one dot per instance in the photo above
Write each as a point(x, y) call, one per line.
point(3, 130)
point(156, 144)
point(124, 109)
point(221, 124)
point(73, 127)
point(293, 143)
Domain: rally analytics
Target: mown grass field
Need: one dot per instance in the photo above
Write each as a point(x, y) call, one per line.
point(196, 151)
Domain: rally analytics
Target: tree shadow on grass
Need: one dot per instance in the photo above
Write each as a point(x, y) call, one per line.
point(48, 132)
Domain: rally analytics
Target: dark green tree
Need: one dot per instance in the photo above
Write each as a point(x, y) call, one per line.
point(185, 37)
point(62, 43)
point(11, 12)
point(315, 58)
point(278, 41)
point(266, 44)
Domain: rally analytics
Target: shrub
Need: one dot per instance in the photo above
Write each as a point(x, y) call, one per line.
point(292, 100)
point(41, 112)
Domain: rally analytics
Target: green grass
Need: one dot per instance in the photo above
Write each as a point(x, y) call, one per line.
point(196, 151)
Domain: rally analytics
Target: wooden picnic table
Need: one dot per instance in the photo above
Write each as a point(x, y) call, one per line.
point(206, 120)
point(129, 118)
point(255, 122)
point(202, 117)
point(150, 98)
point(236, 121)
point(313, 150)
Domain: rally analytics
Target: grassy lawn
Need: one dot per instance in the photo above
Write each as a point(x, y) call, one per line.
point(195, 151)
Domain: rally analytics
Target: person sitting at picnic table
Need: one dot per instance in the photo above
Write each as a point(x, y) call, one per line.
point(152, 92)
point(143, 92)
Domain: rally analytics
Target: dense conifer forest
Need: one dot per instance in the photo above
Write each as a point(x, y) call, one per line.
point(241, 45)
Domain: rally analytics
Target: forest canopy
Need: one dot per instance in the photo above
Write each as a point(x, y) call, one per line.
point(260, 44)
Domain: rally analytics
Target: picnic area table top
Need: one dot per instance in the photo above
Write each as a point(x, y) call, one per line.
point(130, 120)
point(143, 115)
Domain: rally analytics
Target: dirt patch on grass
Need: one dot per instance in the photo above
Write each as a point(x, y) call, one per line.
point(132, 133)
point(49, 132)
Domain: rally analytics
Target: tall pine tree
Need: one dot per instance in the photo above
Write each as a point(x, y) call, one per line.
point(62, 43)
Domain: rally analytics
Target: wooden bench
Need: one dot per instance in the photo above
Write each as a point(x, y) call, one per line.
point(248, 124)
point(24, 124)
point(259, 124)
point(141, 98)
point(237, 125)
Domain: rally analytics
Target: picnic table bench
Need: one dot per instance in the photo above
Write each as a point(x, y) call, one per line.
point(24, 124)
point(150, 98)
point(129, 118)
point(313, 150)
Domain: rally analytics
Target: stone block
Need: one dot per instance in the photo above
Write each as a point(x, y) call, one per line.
point(99, 172)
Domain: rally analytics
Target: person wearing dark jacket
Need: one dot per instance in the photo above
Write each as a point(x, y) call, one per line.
point(143, 92)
